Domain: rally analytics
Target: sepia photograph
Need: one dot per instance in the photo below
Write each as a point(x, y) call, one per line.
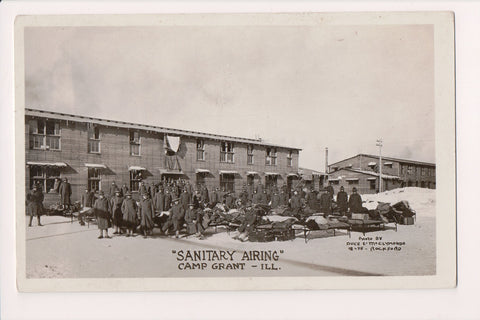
point(189, 149)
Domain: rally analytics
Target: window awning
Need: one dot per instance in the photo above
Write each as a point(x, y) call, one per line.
point(372, 164)
point(252, 173)
point(272, 173)
point(47, 164)
point(228, 172)
point(95, 165)
point(337, 179)
point(388, 163)
point(292, 175)
point(136, 168)
point(371, 179)
point(202, 171)
point(165, 171)
point(351, 179)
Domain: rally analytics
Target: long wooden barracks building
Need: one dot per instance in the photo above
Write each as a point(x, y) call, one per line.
point(93, 152)
point(362, 171)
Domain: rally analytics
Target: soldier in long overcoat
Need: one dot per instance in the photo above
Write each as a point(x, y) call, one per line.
point(184, 199)
point(283, 198)
point(295, 202)
point(244, 197)
point(275, 200)
point(229, 200)
point(342, 201)
point(142, 189)
point(153, 190)
point(65, 191)
point(175, 219)
point(325, 203)
point(146, 213)
point(204, 195)
point(168, 200)
point(124, 189)
point(130, 216)
point(35, 204)
point(257, 197)
point(355, 203)
point(116, 207)
point(215, 198)
point(264, 197)
point(159, 201)
point(113, 188)
point(101, 209)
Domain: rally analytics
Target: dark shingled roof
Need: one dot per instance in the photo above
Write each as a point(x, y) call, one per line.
point(129, 125)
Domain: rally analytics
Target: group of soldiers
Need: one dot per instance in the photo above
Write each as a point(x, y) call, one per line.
point(186, 204)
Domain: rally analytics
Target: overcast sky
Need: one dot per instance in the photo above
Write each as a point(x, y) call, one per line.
point(340, 87)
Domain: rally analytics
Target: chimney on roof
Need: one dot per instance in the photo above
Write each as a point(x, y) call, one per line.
point(326, 160)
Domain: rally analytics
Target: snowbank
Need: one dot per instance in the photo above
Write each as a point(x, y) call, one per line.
point(421, 200)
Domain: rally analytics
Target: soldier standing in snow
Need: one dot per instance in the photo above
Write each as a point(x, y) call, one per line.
point(146, 213)
point(35, 204)
point(65, 191)
point(129, 210)
point(102, 212)
point(342, 201)
point(355, 202)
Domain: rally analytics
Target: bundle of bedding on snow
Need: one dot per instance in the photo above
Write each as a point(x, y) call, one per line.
point(319, 222)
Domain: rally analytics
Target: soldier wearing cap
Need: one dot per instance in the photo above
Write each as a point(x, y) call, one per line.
point(257, 197)
point(129, 211)
point(325, 203)
point(159, 200)
point(283, 198)
point(168, 200)
point(175, 219)
point(244, 196)
point(124, 189)
point(342, 201)
point(275, 200)
point(146, 213)
point(215, 198)
point(35, 204)
point(204, 195)
point(142, 189)
point(355, 203)
point(116, 207)
point(311, 199)
point(229, 200)
point(295, 202)
point(101, 210)
point(184, 199)
point(113, 188)
point(65, 191)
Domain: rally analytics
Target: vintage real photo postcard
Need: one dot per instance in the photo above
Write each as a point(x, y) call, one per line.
point(235, 151)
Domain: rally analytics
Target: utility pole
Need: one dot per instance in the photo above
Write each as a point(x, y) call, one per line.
point(379, 145)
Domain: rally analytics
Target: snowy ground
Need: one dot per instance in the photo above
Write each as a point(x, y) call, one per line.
point(62, 249)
